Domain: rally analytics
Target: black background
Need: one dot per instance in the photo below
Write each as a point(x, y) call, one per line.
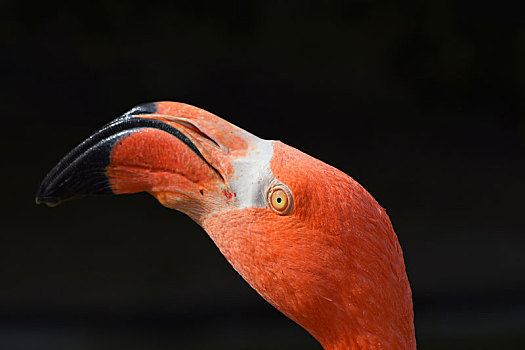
point(421, 102)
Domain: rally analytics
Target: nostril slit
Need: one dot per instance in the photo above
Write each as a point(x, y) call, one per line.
point(202, 192)
point(196, 130)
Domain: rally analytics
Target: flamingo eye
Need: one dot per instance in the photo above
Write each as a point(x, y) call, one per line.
point(280, 200)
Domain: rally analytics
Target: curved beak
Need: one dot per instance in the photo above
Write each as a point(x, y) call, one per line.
point(180, 154)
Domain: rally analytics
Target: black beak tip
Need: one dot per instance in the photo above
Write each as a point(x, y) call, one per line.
point(49, 194)
point(42, 198)
point(50, 204)
point(79, 173)
point(83, 170)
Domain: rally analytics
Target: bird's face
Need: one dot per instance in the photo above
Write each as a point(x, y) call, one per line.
point(287, 222)
point(189, 159)
point(205, 165)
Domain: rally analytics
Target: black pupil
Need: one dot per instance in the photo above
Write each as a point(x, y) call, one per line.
point(279, 200)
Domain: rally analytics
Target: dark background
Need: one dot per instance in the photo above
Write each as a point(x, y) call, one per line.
point(421, 102)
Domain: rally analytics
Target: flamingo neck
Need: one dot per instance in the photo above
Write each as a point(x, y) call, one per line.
point(358, 300)
point(334, 265)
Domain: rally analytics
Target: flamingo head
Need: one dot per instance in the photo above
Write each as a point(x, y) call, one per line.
point(304, 235)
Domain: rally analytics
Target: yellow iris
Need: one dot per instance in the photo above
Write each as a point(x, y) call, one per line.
point(280, 200)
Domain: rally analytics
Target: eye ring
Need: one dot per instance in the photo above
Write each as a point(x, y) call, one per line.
point(280, 199)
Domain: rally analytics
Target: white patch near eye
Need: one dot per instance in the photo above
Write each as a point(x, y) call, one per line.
point(253, 174)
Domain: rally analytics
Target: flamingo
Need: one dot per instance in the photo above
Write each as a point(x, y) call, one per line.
point(306, 236)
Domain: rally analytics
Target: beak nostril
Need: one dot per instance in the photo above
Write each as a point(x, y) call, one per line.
point(202, 192)
point(196, 130)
